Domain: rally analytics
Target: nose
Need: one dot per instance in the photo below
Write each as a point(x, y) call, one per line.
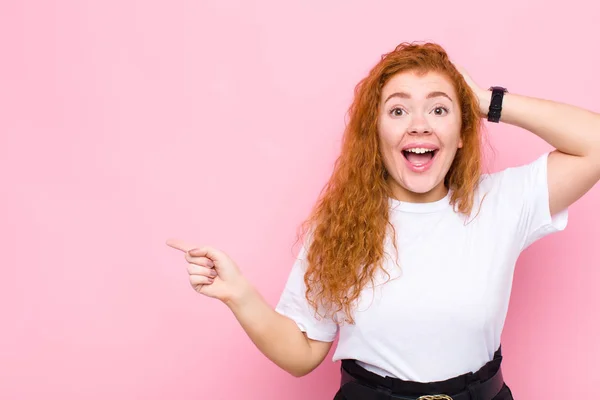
point(419, 126)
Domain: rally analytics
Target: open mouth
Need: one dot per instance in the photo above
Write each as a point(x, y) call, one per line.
point(419, 157)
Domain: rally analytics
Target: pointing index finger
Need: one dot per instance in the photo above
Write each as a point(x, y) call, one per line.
point(180, 245)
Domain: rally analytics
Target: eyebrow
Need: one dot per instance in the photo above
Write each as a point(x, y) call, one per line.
point(404, 95)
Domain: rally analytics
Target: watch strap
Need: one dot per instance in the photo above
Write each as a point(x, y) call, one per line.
point(495, 109)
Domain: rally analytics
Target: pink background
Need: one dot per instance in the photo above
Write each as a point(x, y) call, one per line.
point(123, 123)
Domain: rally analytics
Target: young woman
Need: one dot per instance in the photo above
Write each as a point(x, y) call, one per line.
point(409, 254)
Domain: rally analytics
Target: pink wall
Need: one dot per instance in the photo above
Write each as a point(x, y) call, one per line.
point(123, 123)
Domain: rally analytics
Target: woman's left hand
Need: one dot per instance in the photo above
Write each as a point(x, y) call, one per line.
point(483, 96)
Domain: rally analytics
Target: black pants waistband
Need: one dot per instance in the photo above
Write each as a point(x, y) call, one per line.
point(409, 388)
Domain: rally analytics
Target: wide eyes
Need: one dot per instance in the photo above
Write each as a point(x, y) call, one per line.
point(437, 111)
point(440, 111)
point(396, 112)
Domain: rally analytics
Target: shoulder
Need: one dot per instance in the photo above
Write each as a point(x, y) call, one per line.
point(504, 193)
point(519, 197)
point(515, 180)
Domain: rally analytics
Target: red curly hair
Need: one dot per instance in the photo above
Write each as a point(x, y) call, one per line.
point(348, 223)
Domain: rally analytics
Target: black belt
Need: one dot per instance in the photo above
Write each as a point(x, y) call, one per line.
point(358, 386)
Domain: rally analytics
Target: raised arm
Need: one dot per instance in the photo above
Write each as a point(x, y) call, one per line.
point(574, 167)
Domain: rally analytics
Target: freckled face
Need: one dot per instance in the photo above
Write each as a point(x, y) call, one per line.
point(419, 132)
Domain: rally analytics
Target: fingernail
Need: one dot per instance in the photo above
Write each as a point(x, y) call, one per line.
point(213, 272)
point(210, 280)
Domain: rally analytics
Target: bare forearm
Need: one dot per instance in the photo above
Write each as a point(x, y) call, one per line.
point(275, 335)
point(568, 128)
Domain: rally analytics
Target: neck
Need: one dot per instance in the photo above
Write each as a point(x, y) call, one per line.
point(405, 195)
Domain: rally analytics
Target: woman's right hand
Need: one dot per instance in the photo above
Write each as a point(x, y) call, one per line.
point(212, 272)
point(276, 336)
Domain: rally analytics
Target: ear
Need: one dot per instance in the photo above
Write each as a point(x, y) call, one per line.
point(460, 143)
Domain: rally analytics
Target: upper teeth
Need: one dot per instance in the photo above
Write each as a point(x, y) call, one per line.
point(419, 150)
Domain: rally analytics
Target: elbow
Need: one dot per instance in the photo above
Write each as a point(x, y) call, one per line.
point(298, 371)
point(298, 374)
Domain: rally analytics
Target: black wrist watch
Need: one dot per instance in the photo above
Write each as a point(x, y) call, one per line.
point(496, 103)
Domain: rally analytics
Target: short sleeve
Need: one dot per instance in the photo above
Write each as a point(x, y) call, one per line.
point(525, 188)
point(294, 305)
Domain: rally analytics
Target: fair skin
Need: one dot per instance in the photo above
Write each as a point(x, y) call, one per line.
point(275, 335)
point(413, 115)
point(417, 111)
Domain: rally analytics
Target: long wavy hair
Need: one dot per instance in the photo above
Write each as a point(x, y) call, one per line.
point(348, 223)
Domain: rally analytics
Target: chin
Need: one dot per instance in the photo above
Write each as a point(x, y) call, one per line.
point(420, 190)
point(422, 180)
point(420, 184)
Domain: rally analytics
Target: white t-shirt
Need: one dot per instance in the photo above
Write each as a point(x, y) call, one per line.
point(442, 313)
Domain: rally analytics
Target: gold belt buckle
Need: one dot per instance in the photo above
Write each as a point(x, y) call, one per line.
point(435, 397)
